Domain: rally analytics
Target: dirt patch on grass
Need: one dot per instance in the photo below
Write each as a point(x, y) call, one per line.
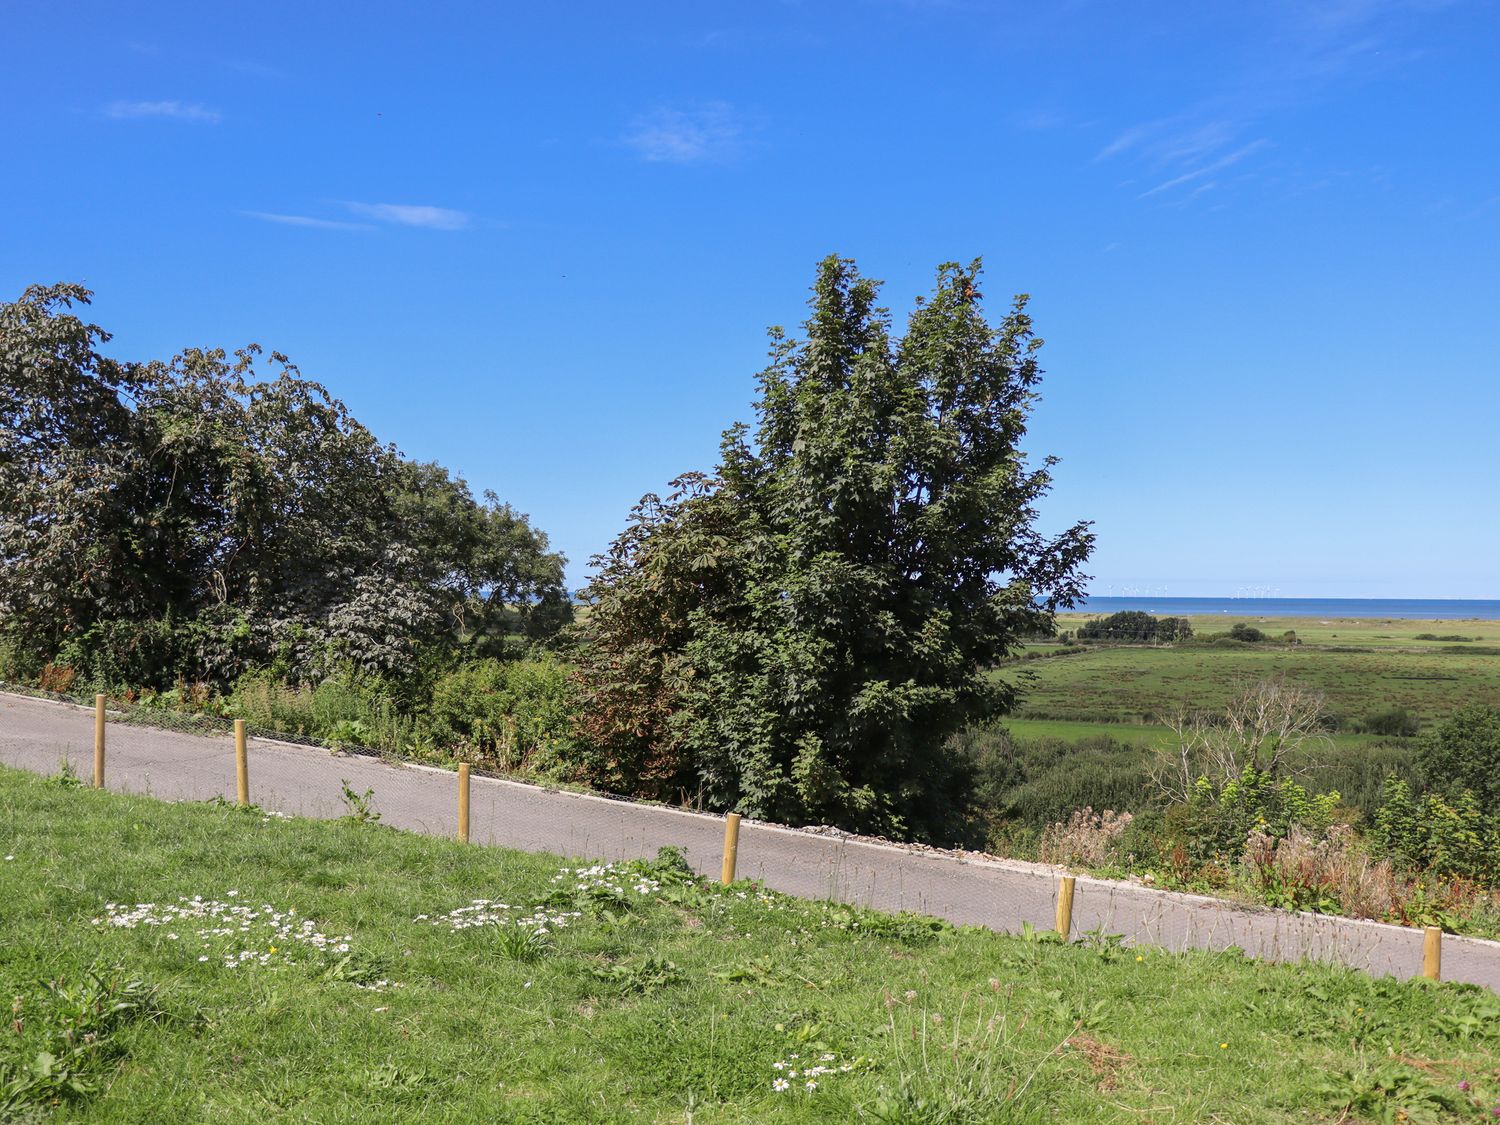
point(1105, 1059)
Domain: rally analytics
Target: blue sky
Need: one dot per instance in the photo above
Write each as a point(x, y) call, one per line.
point(541, 243)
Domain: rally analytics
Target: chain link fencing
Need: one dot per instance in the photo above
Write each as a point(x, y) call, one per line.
point(179, 757)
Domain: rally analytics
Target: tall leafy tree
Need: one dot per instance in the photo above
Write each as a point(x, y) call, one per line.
point(197, 517)
point(798, 636)
point(69, 470)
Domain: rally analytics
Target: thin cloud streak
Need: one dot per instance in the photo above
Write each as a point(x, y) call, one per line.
point(175, 110)
point(412, 215)
point(305, 221)
point(1208, 169)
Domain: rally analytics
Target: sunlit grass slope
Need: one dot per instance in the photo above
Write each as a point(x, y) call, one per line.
point(176, 963)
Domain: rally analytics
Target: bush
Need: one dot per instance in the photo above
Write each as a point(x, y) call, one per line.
point(1359, 773)
point(1328, 872)
point(1239, 631)
point(1449, 836)
point(1086, 838)
point(1220, 817)
point(1133, 625)
point(1396, 722)
point(1037, 782)
point(347, 709)
point(517, 713)
point(1463, 752)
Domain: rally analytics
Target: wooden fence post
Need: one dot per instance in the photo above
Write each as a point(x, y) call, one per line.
point(463, 801)
point(731, 847)
point(98, 742)
point(1432, 953)
point(1065, 906)
point(241, 766)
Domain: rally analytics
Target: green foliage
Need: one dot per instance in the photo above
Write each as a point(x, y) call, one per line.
point(1240, 631)
point(195, 519)
point(797, 636)
point(518, 714)
point(1037, 782)
point(361, 806)
point(1221, 816)
point(1463, 752)
point(1390, 1091)
point(62, 1038)
point(522, 943)
point(1396, 722)
point(1450, 835)
point(1134, 625)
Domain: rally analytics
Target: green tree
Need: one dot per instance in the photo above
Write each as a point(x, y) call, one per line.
point(69, 474)
point(199, 517)
point(1463, 752)
point(798, 635)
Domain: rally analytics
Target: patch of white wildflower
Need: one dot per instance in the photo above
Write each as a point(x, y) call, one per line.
point(599, 885)
point(614, 879)
point(491, 912)
point(794, 1072)
point(234, 935)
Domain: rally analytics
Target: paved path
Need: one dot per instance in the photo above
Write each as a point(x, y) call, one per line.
point(36, 735)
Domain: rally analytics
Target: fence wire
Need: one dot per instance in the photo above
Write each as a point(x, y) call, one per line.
point(178, 756)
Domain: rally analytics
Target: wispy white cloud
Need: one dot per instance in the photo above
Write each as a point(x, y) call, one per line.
point(1207, 169)
point(1300, 52)
point(710, 132)
point(412, 215)
point(304, 221)
point(180, 111)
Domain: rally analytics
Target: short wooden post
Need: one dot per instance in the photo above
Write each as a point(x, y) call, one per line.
point(98, 742)
point(731, 847)
point(463, 801)
point(1065, 906)
point(241, 765)
point(1432, 953)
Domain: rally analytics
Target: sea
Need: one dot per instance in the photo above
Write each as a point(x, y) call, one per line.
point(1423, 609)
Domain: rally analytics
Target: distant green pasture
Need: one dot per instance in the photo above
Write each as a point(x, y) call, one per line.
point(1140, 685)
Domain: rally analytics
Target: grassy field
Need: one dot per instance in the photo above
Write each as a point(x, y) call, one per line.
point(1140, 685)
point(1361, 631)
point(647, 996)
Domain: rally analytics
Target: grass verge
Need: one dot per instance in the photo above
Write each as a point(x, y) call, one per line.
point(202, 963)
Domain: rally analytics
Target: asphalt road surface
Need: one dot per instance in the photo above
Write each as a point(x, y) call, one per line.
point(38, 735)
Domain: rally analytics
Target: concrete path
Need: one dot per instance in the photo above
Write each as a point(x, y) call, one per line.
point(37, 735)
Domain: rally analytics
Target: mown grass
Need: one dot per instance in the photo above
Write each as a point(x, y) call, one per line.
point(674, 1005)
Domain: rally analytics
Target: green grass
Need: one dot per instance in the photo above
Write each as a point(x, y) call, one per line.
point(1339, 631)
point(1139, 684)
point(676, 1008)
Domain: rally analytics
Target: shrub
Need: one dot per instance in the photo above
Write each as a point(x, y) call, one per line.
point(1035, 782)
point(1086, 838)
point(1447, 835)
point(1239, 631)
point(1328, 872)
point(57, 678)
point(1463, 752)
point(1397, 722)
point(1359, 773)
point(517, 713)
point(1134, 625)
point(1220, 817)
point(346, 709)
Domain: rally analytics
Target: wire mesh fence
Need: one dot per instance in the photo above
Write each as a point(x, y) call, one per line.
point(177, 757)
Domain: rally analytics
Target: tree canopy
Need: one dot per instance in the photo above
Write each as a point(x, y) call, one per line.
point(797, 635)
point(193, 518)
point(1135, 625)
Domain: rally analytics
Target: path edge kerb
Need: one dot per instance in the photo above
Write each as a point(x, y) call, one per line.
point(1319, 936)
